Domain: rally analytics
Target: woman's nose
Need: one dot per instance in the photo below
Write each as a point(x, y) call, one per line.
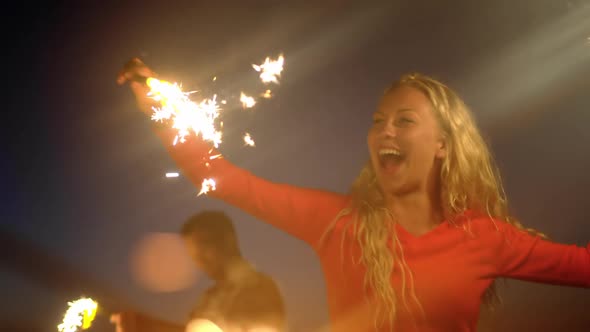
point(388, 129)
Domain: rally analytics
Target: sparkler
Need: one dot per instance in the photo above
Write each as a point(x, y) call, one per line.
point(270, 69)
point(185, 114)
point(189, 117)
point(80, 313)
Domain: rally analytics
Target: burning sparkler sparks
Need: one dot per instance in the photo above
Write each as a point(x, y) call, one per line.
point(172, 175)
point(80, 313)
point(270, 69)
point(248, 140)
point(207, 186)
point(189, 117)
point(247, 101)
point(186, 115)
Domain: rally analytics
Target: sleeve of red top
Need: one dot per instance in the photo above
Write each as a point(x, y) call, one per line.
point(303, 213)
point(527, 257)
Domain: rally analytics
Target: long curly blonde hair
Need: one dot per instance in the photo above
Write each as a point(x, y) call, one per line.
point(469, 180)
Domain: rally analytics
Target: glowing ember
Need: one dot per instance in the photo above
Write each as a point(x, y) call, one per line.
point(185, 114)
point(267, 94)
point(172, 175)
point(247, 101)
point(202, 325)
point(207, 186)
point(80, 313)
point(248, 140)
point(270, 69)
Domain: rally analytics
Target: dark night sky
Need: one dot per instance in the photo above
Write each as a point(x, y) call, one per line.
point(82, 174)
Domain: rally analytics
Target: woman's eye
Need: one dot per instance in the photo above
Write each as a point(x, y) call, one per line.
point(404, 121)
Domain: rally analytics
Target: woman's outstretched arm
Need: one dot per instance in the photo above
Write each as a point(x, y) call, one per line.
point(527, 257)
point(303, 213)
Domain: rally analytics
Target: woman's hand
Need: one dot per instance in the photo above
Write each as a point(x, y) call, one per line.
point(135, 72)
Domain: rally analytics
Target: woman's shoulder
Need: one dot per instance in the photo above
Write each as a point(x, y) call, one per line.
point(480, 223)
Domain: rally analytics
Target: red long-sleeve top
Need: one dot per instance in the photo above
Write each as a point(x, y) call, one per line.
point(451, 267)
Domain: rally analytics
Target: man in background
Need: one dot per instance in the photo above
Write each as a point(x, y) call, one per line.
point(242, 298)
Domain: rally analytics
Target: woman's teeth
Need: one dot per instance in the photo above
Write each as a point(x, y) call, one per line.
point(388, 152)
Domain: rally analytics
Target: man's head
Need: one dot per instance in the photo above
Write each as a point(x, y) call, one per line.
point(211, 241)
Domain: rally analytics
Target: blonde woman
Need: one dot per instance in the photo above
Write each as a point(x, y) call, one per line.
point(424, 232)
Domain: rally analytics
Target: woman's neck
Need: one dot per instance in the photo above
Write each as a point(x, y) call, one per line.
point(417, 212)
